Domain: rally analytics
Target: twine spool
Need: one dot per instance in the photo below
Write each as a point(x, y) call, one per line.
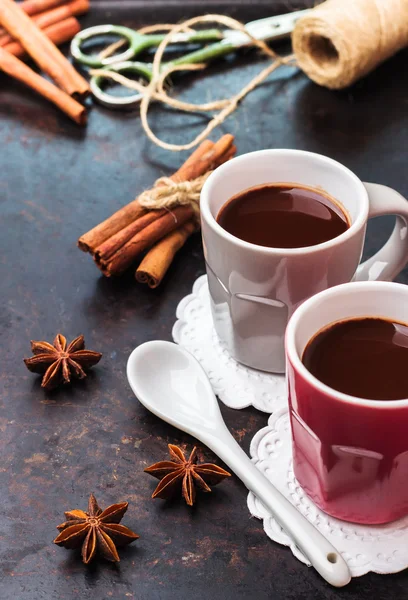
point(340, 41)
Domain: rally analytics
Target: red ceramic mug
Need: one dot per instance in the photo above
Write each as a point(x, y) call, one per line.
point(350, 455)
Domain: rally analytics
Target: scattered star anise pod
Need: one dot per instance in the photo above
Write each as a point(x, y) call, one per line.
point(186, 474)
point(96, 530)
point(59, 363)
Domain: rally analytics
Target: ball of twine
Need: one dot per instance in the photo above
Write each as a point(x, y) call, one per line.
point(339, 42)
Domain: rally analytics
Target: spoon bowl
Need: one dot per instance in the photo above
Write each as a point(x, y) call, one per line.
point(171, 383)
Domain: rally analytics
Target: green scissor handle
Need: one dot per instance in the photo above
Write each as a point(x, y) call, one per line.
point(207, 53)
point(138, 68)
point(145, 70)
point(137, 42)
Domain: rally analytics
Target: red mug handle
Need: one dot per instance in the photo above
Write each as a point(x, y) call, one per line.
point(393, 256)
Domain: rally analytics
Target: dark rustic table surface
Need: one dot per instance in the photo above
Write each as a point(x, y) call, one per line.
point(57, 181)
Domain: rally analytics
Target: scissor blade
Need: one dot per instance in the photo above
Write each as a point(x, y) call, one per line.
point(268, 29)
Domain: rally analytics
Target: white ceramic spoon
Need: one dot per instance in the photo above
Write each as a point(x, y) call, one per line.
point(171, 383)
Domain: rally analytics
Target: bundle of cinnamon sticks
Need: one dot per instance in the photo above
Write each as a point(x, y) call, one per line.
point(119, 241)
point(34, 27)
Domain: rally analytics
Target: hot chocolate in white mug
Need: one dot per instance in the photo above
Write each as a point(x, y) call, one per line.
point(255, 289)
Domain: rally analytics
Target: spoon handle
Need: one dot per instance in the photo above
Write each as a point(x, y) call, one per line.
point(321, 554)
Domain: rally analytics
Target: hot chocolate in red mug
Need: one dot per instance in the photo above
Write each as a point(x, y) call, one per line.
point(349, 428)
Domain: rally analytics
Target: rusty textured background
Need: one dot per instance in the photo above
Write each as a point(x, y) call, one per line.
point(56, 181)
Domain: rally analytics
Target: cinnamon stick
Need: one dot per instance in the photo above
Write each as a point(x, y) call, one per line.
point(112, 245)
point(41, 49)
point(55, 15)
point(59, 33)
point(157, 261)
point(91, 240)
point(231, 153)
point(194, 163)
point(126, 255)
point(33, 7)
point(17, 69)
point(215, 155)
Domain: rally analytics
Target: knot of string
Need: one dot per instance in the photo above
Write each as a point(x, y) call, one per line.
point(167, 194)
point(155, 90)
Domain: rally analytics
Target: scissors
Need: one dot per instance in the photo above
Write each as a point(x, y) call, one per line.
point(226, 42)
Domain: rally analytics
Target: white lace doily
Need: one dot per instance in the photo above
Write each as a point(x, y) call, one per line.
point(378, 548)
point(236, 385)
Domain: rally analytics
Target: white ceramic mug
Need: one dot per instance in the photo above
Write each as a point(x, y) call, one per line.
point(254, 290)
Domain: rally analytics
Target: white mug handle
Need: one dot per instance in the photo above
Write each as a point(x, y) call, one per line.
point(393, 256)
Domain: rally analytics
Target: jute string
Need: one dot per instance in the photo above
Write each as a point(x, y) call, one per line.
point(155, 90)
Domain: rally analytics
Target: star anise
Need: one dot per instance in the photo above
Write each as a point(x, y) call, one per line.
point(186, 474)
point(59, 363)
point(96, 530)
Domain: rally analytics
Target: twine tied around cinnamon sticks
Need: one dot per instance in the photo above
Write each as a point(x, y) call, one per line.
point(167, 194)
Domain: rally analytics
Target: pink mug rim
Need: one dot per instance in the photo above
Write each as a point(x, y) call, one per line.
point(293, 357)
point(208, 217)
